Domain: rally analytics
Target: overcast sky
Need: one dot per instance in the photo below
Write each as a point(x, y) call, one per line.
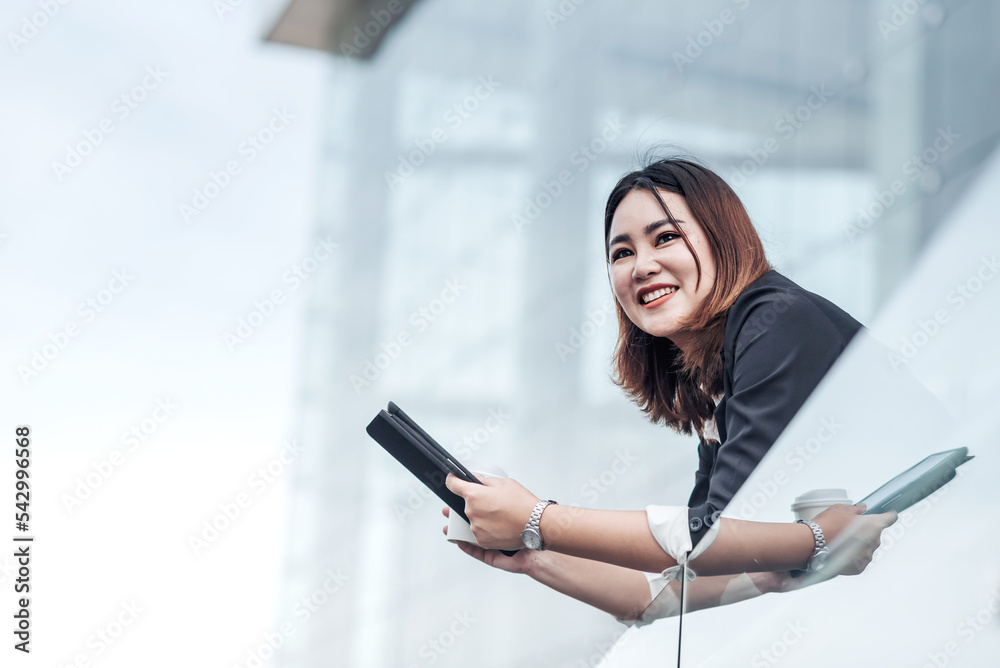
point(116, 306)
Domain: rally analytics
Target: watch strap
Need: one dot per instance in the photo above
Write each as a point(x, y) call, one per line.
point(817, 533)
point(820, 542)
point(536, 517)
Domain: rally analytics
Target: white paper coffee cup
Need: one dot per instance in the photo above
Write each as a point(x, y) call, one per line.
point(459, 529)
point(811, 504)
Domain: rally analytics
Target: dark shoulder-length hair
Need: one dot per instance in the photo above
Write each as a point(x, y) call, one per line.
point(668, 385)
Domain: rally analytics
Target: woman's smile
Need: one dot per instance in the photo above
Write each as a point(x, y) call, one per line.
point(654, 296)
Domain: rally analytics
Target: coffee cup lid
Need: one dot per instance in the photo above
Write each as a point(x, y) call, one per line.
point(819, 497)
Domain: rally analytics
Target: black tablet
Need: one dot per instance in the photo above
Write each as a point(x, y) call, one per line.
point(425, 458)
point(916, 483)
point(425, 439)
point(414, 448)
point(409, 449)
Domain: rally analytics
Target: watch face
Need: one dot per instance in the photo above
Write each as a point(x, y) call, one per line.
point(819, 560)
point(532, 539)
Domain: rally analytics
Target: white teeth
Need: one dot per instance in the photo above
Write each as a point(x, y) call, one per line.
point(656, 294)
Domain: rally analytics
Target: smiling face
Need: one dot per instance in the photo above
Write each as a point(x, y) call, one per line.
point(653, 274)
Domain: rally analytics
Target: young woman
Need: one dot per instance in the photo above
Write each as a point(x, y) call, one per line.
point(711, 339)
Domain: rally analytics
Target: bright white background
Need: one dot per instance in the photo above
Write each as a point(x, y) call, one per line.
point(162, 336)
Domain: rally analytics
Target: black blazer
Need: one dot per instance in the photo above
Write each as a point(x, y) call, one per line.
point(780, 341)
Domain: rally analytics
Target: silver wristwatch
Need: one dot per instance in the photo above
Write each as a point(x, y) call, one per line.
point(821, 553)
point(532, 536)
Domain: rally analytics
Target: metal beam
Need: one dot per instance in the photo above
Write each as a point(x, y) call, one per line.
point(351, 28)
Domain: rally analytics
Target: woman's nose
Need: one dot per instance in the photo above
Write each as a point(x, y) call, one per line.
point(645, 265)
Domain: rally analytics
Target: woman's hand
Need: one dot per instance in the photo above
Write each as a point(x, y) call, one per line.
point(779, 582)
point(851, 537)
point(522, 562)
point(497, 510)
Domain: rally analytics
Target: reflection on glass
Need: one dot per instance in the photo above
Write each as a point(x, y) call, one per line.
point(873, 431)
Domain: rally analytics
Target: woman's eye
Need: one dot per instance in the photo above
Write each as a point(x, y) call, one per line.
point(619, 253)
point(672, 235)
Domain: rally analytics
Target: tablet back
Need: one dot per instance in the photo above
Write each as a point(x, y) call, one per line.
point(413, 455)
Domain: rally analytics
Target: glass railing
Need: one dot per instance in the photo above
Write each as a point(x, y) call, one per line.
point(927, 379)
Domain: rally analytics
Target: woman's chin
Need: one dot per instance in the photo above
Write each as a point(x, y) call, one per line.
point(659, 329)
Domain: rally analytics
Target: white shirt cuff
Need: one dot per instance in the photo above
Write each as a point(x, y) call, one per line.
point(669, 525)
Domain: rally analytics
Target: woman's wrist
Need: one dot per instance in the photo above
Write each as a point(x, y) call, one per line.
point(767, 582)
point(539, 563)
